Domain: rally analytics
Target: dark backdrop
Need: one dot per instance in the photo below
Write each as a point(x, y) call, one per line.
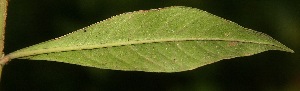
point(33, 21)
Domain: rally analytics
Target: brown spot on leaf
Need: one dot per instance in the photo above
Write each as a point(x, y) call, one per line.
point(233, 43)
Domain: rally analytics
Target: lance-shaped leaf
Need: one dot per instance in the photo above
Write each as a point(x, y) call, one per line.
point(171, 39)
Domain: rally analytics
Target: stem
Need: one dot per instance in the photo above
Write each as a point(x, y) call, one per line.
point(3, 61)
point(3, 14)
point(1, 67)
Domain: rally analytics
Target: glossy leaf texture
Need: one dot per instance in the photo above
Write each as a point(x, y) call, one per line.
point(170, 39)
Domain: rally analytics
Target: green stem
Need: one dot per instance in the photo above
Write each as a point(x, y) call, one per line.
point(3, 13)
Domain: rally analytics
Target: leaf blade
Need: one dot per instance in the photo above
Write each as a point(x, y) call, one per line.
point(145, 34)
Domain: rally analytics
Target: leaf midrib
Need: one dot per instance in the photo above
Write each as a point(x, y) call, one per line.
point(21, 53)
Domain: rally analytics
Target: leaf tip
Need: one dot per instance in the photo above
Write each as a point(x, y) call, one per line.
point(290, 50)
point(286, 49)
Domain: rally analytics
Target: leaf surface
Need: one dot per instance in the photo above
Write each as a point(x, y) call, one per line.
point(170, 39)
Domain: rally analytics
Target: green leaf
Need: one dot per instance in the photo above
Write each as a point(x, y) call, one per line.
point(170, 39)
